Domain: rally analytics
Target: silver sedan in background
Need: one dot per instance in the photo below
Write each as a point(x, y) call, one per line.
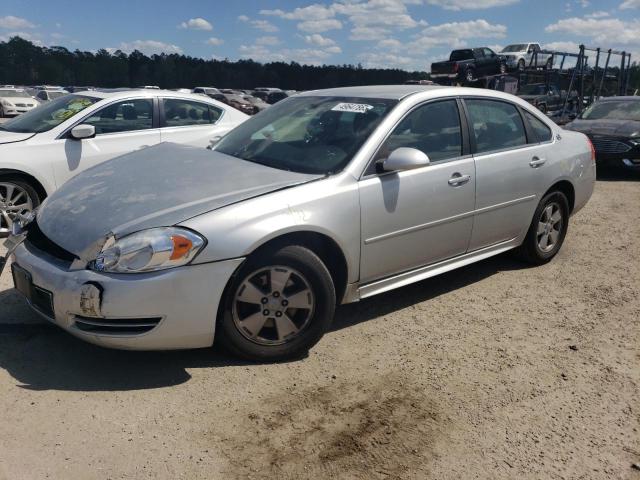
point(327, 197)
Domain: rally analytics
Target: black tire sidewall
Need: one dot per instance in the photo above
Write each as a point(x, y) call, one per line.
point(532, 249)
point(316, 273)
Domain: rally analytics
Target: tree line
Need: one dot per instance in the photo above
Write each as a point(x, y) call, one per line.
point(24, 63)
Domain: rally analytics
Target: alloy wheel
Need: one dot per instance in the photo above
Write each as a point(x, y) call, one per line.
point(14, 200)
point(550, 227)
point(273, 305)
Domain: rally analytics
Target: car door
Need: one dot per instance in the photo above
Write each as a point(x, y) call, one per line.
point(480, 63)
point(121, 127)
point(492, 62)
point(509, 171)
point(190, 122)
point(418, 217)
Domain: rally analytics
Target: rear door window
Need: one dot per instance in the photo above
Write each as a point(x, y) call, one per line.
point(124, 116)
point(180, 113)
point(496, 125)
point(543, 133)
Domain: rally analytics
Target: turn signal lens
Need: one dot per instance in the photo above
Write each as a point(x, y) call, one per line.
point(181, 247)
point(593, 150)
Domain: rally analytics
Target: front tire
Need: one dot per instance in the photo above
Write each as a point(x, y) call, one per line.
point(278, 305)
point(521, 65)
point(547, 231)
point(16, 197)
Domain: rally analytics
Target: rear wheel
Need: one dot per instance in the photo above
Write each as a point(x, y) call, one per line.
point(469, 75)
point(547, 230)
point(521, 65)
point(503, 68)
point(278, 305)
point(16, 197)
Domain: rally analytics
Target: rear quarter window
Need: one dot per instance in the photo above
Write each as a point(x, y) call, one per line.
point(543, 132)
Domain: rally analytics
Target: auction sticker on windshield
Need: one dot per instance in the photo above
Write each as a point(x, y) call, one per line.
point(352, 107)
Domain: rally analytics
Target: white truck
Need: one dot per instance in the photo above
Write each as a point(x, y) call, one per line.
point(521, 55)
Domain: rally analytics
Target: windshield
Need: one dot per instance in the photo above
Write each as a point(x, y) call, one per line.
point(460, 55)
point(520, 47)
point(307, 134)
point(13, 93)
point(613, 110)
point(49, 115)
point(536, 89)
point(56, 94)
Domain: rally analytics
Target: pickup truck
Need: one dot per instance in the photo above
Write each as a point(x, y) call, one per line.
point(469, 64)
point(546, 98)
point(521, 55)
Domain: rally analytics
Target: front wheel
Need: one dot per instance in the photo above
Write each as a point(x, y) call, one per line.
point(503, 68)
point(278, 305)
point(547, 230)
point(16, 197)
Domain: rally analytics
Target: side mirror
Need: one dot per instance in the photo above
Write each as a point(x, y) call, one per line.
point(82, 131)
point(404, 158)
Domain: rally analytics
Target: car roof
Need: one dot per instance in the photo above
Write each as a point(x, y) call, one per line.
point(391, 92)
point(141, 92)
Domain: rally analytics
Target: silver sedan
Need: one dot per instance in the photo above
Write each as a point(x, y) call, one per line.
point(327, 197)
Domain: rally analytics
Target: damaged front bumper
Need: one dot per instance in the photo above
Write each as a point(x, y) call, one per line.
point(171, 309)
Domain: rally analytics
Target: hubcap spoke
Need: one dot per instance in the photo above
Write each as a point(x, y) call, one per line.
point(279, 279)
point(285, 327)
point(544, 241)
point(254, 323)
point(541, 227)
point(14, 200)
point(556, 217)
point(250, 294)
point(300, 300)
point(548, 212)
point(553, 235)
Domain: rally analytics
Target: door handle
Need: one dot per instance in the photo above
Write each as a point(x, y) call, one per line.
point(457, 179)
point(537, 162)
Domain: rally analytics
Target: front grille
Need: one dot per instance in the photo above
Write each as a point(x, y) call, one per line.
point(609, 145)
point(37, 239)
point(21, 105)
point(120, 326)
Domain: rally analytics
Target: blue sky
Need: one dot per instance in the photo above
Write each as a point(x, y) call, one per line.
point(407, 34)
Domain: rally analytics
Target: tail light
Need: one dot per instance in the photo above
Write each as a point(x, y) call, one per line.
point(593, 150)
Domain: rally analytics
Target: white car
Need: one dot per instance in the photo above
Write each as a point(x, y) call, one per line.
point(14, 101)
point(42, 149)
point(48, 94)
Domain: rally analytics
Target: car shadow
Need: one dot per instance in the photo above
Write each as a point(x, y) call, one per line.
point(40, 356)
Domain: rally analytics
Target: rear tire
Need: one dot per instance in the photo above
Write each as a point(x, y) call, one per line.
point(469, 76)
point(547, 231)
point(521, 65)
point(258, 320)
point(15, 192)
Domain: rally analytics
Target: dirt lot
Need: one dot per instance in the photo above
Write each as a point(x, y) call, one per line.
point(495, 371)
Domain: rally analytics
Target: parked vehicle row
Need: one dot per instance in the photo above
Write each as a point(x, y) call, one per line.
point(325, 198)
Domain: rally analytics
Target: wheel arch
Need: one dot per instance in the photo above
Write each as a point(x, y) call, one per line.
point(33, 181)
point(567, 188)
point(322, 245)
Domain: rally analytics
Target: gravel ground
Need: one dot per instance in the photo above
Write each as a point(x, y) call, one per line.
point(494, 371)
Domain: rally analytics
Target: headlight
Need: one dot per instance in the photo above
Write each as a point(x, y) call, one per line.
point(6, 103)
point(150, 251)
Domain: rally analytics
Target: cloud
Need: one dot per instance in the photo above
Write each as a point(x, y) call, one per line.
point(12, 22)
point(454, 35)
point(605, 31)
point(569, 47)
point(214, 41)
point(319, 41)
point(369, 33)
point(196, 24)
point(24, 35)
point(389, 13)
point(148, 47)
point(598, 14)
point(263, 25)
point(267, 40)
point(312, 12)
point(630, 4)
point(470, 5)
point(318, 26)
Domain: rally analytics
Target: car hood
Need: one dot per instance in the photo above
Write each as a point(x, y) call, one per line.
point(12, 137)
point(158, 186)
point(622, 128)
